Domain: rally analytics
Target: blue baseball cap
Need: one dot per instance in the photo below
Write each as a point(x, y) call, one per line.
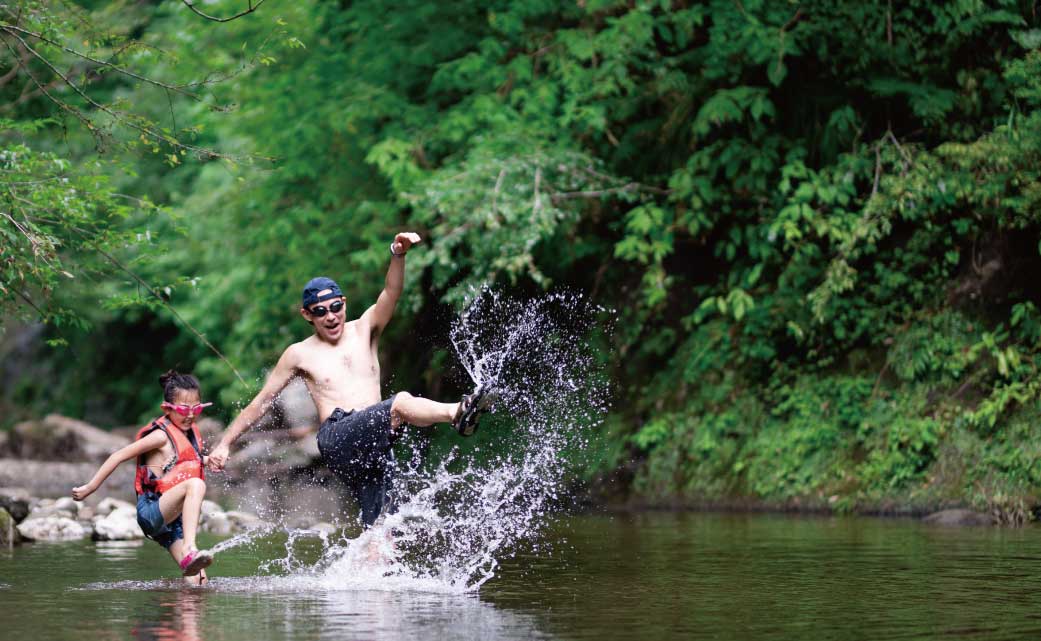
point(315, 285)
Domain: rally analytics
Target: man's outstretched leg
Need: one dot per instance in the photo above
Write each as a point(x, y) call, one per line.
point(421, 412)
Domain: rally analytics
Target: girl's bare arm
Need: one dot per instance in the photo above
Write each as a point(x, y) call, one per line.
point(153, 441)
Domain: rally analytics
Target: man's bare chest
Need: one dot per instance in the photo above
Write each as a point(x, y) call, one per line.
point(342, 362)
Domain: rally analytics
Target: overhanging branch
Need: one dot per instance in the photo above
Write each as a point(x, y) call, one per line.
point(104, 63)
point(252, 6)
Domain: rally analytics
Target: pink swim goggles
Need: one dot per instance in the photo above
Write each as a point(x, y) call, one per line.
point(186, 410)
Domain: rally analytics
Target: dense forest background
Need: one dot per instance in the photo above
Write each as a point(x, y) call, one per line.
point(818, 222)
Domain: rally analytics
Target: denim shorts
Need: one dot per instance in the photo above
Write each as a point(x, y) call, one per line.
point(150, 518)
point(356, 445)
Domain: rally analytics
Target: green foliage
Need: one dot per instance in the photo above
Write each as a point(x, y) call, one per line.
point(47, 209)
point(822, 255)
point(935, 349)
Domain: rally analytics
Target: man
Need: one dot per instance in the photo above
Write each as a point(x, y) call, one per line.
point(339, 363)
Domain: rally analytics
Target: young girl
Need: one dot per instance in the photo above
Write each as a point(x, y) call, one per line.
point(169, 479)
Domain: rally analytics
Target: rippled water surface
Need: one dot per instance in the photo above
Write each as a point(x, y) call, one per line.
point(644, 576)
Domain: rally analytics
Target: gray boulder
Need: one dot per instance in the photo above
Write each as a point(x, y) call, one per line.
point(53, 478)
point(52, 528)
point(209, 509)
point(243, 521)
point(268, 454)
point(109, 505)
point(118, 525)
point(959, 517)
point(231, 522)
point(210, 429)
point(68, 504)
point(9, 534)
point(60, 438)
point(218, 523)
point(297, 406)
point(16, 501)
point(47, 508)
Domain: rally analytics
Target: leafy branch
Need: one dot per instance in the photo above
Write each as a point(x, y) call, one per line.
point(138, 124)
point(251, 7)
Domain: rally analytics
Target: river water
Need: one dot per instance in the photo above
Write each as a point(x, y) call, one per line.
point(600, 577)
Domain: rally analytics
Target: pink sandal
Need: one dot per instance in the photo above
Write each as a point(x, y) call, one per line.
point(194, 562)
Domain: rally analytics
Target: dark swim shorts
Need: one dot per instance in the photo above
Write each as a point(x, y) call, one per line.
point(150, 518)
point(356, 445)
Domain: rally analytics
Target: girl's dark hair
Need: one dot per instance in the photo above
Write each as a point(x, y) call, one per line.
point(172, 381)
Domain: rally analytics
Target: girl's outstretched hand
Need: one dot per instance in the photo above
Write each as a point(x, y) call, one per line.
point(82, 492)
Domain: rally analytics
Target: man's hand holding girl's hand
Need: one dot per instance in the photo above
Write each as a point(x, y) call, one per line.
point(217, 458)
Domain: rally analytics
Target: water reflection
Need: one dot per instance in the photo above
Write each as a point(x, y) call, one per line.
point(625, 578)
point(373, 614)
point(173, 617)
point(118, 550)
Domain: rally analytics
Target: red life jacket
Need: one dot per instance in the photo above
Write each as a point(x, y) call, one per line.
point(187, 462)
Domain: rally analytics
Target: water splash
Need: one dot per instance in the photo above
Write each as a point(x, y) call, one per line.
point(242, 539)
point(291, 563)
point(459, 517)
point(461, 514)
point(253, 534)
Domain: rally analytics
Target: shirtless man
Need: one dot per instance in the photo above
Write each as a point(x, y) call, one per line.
point(340, 365)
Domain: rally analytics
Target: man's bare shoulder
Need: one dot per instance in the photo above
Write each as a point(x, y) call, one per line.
point(365, 325)
point(296, 350)
point(364, 320)
point(296, 354)
point(360, 324)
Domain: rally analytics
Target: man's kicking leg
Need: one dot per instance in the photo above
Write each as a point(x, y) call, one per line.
point(421, 412)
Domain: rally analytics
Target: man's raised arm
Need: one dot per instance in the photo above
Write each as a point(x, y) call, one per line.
point(276, 382)
point(380, 313)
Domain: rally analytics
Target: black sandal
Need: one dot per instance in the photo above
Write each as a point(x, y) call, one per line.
point(471, 408)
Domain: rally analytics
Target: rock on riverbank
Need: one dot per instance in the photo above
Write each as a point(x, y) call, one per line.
point(53, 528)
point(61, 438)
point(54, 478)
point(959, 518)
point(110, 519)
point(9, 534)
point(15, 500)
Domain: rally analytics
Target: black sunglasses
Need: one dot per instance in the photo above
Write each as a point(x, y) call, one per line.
point(318, 311)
